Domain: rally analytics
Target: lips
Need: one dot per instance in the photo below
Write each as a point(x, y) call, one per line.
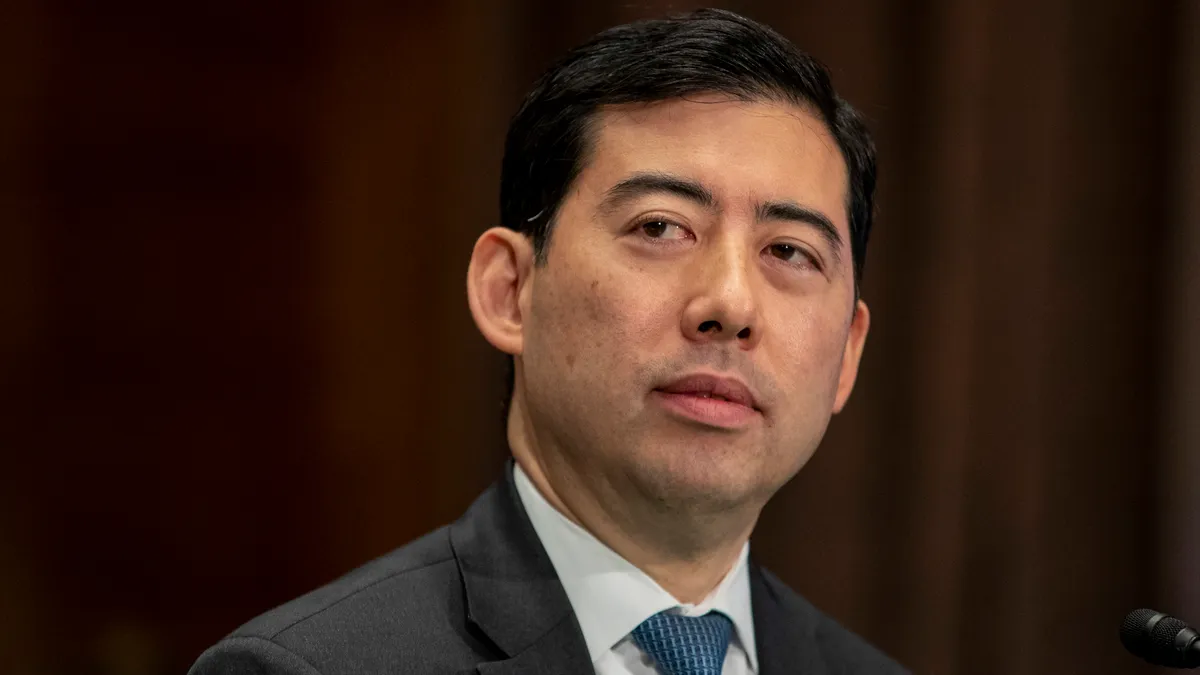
point(715, 387)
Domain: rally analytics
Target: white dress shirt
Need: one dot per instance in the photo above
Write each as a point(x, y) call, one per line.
point(611, 597)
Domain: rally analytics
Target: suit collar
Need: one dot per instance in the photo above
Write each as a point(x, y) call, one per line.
point(514, 597)
point(512, 592)
point(785, 627)
point(610, 595)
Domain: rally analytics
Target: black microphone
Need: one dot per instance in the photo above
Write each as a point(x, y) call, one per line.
point(1160, 639)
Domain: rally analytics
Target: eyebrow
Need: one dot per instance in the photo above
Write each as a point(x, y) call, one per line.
point(654, 182)
point(794, 212)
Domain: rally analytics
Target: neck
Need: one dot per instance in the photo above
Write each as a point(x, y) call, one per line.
point(687, 556)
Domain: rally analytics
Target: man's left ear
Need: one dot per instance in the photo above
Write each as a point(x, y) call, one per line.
point(859, 325)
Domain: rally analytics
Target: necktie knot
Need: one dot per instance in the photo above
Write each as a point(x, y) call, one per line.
point(685, 645)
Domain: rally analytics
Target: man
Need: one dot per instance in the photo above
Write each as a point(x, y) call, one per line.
point(686, 205)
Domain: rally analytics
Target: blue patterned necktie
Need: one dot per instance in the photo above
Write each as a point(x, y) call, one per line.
point(685, 645)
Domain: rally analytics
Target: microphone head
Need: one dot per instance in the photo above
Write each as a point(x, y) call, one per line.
point(1134, 633)
point(1160, 639)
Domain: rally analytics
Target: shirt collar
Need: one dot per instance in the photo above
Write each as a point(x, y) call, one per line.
point(610, 595)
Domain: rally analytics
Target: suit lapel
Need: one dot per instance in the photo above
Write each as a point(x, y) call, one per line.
point(784, 632)
point(561, 650)
point(513, 594)
point(514, 597)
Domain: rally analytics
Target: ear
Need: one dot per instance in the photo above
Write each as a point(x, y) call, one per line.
point(859, 324)
point(497, 280)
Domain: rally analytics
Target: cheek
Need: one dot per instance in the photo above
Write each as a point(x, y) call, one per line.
point(628, 318)
point(811, 356)
point(593, 325)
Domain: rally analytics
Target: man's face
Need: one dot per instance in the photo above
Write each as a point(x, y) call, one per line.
point(692, 243)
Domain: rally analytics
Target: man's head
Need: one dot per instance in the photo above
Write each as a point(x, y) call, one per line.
point(706, 51)
point(684, 197)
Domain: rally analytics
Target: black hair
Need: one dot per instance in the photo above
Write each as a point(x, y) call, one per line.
point(705, 51)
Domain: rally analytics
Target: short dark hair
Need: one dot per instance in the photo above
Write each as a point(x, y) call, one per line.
point(705, 51)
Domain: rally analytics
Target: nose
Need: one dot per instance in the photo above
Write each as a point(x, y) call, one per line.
point(722, 307)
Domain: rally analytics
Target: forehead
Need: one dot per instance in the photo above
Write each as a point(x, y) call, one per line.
point(744, 151)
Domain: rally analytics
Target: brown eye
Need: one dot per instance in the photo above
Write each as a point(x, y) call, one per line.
point(663, 229)
point(792, 254)
point(784, 251)
point(655, 228)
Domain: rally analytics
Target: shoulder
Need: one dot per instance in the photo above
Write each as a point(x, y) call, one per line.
point(401, 577)
point(841, 650)
point(392, 614)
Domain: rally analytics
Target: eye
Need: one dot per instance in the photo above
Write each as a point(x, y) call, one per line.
point(657, 228)
point(794, 254)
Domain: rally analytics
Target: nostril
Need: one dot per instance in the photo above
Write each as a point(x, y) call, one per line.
point(704, 327)
point(745, 333)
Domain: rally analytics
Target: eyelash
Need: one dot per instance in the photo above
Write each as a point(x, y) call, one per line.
point(812, 259)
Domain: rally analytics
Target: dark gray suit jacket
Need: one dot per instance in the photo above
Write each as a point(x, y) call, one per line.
point(481, 596)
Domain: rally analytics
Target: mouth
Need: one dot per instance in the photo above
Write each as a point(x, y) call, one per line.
point(720, 402)
point(708, 411)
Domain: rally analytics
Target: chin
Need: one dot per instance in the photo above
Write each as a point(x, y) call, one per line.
point(710, 479)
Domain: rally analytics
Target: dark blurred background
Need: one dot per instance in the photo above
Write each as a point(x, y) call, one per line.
point(237, 360)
